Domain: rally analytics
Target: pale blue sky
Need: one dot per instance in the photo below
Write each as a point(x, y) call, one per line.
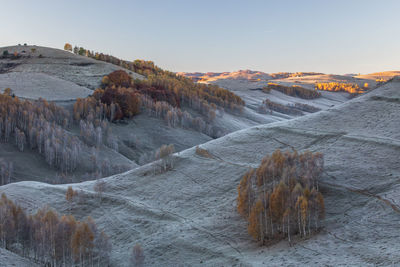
point(352, 36)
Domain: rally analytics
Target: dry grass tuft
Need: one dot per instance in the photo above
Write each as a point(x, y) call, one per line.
point(203, 152)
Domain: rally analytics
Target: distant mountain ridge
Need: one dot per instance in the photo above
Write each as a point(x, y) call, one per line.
point(249, 75)
point(255, 76)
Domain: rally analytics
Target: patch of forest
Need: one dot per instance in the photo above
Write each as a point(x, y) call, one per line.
point(44, 127)
point(342, 87)
point(294, 90)
point(122, 97)
point(50, 239)
point(180, 87)
point(281, 198)
point(295, 109)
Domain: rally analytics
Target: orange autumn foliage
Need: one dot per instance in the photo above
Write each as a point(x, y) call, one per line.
point(339, 87)
point(280, 198)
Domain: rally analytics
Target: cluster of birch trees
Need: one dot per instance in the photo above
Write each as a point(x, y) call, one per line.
point(281, 197)
point(175, 117)
point(50, 239)
point(98, 134)
point(40, 125)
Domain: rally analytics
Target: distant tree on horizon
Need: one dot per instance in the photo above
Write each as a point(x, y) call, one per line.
point(8, 91)
point(82, 51)
point(68, 47)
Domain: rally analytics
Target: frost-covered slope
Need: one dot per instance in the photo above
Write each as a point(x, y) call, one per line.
point(188, 215)
point(248, 85)
point(384, 75)
point(56, 74)
point(9, 259)
point(60, 76)
point(33, 85)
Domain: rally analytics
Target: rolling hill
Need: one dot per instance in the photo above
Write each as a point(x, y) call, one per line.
point(188, 215)
point(60, 77)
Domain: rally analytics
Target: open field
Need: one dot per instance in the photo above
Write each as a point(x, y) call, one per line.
point(68, 73)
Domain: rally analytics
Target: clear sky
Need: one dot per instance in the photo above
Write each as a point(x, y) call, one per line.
point(352, 36)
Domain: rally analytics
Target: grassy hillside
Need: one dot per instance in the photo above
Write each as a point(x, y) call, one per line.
point(188, 215)
point(130, 116)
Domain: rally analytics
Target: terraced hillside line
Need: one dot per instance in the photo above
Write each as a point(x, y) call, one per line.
point(175, 216)
point(339, 238)
point(365, 192)
point(320, 135)
point(323, 138)
point(283, 143)
point(191, 178)
point(315, 251)
point(140, 207)
point(384, 141)
point(8, 67)
point(309, 132)
point(395, 207)
point(215, 157)
point(385, 99)
point(223, 191)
